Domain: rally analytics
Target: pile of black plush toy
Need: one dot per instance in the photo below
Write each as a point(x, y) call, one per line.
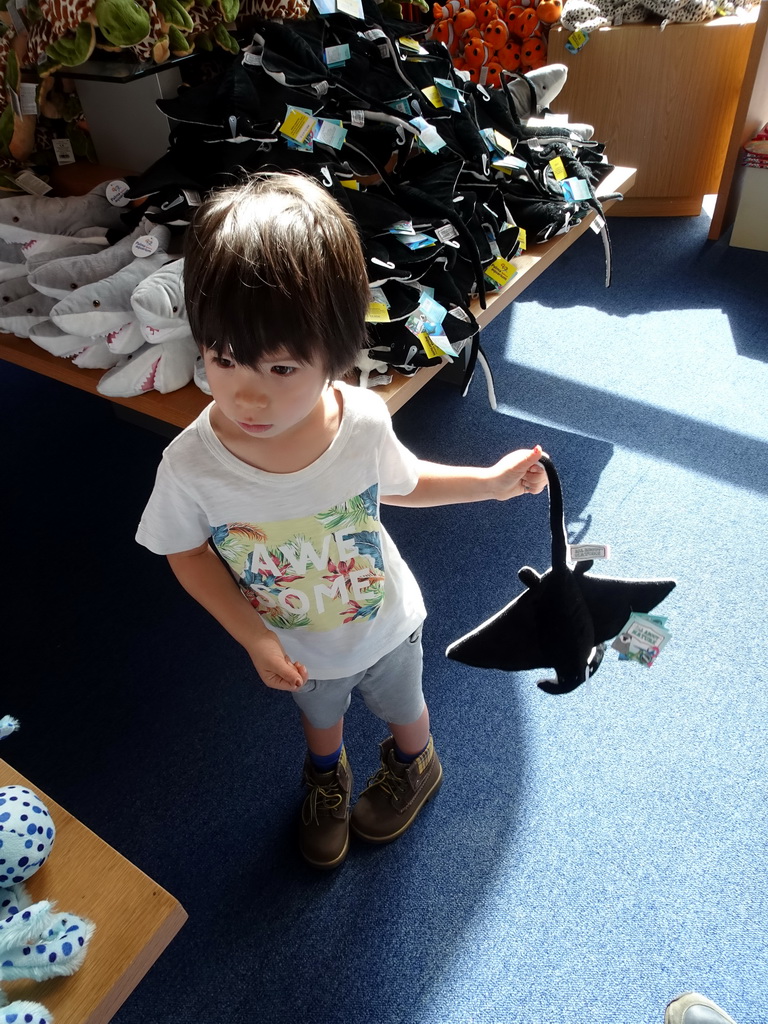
point(439, 174)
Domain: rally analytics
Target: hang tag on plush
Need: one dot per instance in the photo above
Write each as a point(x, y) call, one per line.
point(500, 272)
point(575, 189)
point(429, 137)
point(298, 124)
point(431, 349)
point(576, 41)
point(354, 8)
point(62, 150)
point(443, 346)
point(28, 97)
point(558, 168)
point(145, 246)
point(449, 94)
point(255, 60)
point(522, 239)
point(325, 6)
point(402, 106)
point(330, 132)
point(588, 552)
point(509, 163)
point(336, 56)
point(115, 193)
point(597, 224)
point(377, 313)
point(402, 227)
point(35, 187)
point(411, 45)
point(432, 309)
point(357, 117)
point(433, 95)
point(417, 241)
point(642, 638)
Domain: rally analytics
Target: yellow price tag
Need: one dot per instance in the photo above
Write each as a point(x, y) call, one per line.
point(501, 271)
point(409, 44)
point(522, 238)
point(297, 125)
point(503, 142)
point(577, 39)
point(377, 313)
point(351, 183)
point(558, 168)
point(429, 347)
point(433, 95)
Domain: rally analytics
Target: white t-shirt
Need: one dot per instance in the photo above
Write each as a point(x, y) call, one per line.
point(307, 548)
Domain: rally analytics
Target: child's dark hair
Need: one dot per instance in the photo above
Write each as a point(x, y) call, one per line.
point(276, 264)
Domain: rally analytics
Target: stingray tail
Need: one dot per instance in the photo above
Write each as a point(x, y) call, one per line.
point(556, 515)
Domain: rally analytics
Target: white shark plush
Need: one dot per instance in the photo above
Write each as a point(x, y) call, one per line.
point(64, 273)
point(32, 218)
point(158, 303)
point(165, 367)
point(89, 353)
point(104, 307)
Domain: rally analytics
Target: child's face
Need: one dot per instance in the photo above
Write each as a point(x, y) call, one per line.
point(270, 400)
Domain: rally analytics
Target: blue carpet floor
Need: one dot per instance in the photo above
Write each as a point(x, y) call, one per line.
point(589, 856)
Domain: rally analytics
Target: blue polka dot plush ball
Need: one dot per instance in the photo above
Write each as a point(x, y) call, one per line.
point(26, 834)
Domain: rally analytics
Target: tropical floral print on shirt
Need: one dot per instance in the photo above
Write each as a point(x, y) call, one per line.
point(316, 572)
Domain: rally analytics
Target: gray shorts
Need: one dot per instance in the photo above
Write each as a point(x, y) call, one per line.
point(391, 689)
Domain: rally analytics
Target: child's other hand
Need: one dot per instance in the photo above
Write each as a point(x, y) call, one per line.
point(518, 473)
point(275, 667)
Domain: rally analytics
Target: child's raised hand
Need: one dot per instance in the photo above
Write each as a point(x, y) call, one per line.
point(518, 473)
point(274, 666)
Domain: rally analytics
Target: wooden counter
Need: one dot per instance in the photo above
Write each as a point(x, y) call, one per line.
point(662, 100)
point(135, 919)
point(180, 407)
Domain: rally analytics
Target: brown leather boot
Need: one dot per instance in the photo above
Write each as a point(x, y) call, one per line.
point(324, 827)
point(396, 794)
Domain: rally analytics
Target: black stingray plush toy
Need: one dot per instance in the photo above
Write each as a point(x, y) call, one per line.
point(563, 619)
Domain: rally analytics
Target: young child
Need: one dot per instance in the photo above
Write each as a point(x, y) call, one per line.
point(267, 506)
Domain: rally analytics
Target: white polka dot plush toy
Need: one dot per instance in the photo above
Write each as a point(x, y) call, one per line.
point(36, 941)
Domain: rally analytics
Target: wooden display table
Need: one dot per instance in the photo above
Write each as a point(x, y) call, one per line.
point(662, 100)
point(180, 407)
point(135, 919)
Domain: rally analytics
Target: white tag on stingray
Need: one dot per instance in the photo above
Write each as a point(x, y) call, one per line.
point(588, 552)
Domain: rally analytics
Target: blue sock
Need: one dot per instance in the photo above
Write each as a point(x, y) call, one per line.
point(325, 762)
point(408, 758)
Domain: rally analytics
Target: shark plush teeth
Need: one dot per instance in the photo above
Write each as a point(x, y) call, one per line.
point(48, 336)
point(564, 617)
point(28, 218)
point(158, 303)
point(105, 305)
point(98, 356)
point(164, 367)
point(65, 272)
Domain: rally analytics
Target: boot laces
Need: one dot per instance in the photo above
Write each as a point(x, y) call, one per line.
point(391, 782)
point(320, 800)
